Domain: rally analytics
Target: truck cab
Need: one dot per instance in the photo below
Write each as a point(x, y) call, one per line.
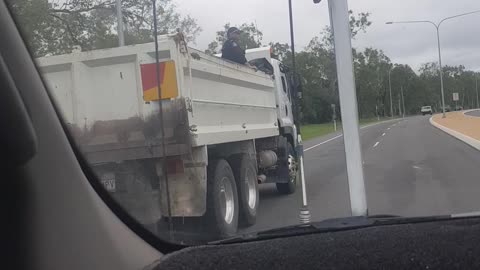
point(284, 90)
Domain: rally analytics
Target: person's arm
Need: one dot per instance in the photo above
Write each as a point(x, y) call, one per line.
point(239, 54)
point(225, 51)
point(244, 59)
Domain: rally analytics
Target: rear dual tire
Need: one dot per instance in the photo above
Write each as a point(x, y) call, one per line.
point(222, 199)
point(245, 174)
point(232, 194)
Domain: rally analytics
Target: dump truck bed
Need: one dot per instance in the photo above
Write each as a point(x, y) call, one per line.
point(110, 100)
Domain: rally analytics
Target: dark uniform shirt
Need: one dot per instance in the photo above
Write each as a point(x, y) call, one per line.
point(232, 51)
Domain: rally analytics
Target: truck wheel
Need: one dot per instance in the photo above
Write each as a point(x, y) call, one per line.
point(245, 174)
point(289, 188)
point(222, 199)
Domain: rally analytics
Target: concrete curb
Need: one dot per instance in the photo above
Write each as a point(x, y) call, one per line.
point(464, 138)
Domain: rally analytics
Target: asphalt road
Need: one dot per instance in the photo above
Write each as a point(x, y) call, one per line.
point(411, 169)
point(474, 113)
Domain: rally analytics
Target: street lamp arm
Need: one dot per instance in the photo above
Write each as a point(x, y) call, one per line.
point(437, 26)
point(444, 19)
point(434, 24)
point(459, 15)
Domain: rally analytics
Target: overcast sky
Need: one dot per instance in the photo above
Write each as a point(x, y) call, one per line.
point(411, 44)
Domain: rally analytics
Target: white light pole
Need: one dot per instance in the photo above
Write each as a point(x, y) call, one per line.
point(437, 27)
point(476, 89)
point(340, 24)
point(334, 117)
point(399, 107)
point(390, 86)
point(121, 38)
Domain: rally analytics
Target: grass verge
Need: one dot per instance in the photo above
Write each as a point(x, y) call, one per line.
point(316, 130)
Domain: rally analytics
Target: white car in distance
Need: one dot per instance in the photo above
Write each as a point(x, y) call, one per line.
point(426, 110)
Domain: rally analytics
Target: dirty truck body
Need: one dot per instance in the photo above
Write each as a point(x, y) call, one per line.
point(208, 113)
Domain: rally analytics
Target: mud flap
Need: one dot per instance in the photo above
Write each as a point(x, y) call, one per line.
point(187, 184)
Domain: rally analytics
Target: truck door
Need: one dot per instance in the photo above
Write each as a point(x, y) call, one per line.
point(285, 102)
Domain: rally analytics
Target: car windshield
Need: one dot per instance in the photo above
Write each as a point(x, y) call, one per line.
point(208, 119)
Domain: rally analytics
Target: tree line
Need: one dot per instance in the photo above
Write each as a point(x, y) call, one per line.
point(316, 67)
point(53, 27)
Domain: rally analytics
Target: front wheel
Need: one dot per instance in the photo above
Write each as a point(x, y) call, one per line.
point(222, 199)
point(292, 165)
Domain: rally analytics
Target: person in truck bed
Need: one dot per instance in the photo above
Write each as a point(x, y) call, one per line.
point(231, 50)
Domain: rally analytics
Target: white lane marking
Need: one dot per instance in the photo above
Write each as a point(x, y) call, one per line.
point(316, 145)
point(388, 128)
point(416, 167)
point(375, 145)
point(338, 136)
point(374, 124)
point(383, 134)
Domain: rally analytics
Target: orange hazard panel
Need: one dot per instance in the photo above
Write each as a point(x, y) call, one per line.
point(168, 81)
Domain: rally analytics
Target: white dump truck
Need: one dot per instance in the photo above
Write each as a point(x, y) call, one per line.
point(198, 146)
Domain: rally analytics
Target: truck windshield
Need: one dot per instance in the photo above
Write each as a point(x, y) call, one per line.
point(172, 106)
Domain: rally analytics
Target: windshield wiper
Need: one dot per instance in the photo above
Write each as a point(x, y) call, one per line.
point(332, 225)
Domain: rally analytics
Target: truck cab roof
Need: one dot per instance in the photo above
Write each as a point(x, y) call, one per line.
point(256, 53)
point(262, 52)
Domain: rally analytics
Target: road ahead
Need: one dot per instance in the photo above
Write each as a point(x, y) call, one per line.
point(473, 113)
point(411, 169)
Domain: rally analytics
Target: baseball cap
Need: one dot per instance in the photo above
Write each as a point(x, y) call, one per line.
point(233, 30)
